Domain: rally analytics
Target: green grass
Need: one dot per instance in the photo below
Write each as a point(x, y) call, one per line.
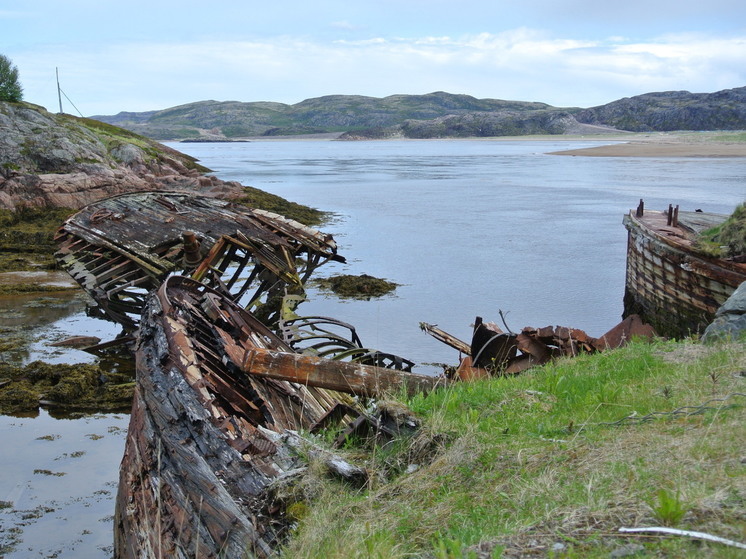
point(564, 454)
point(727, 239)
point(730, 137)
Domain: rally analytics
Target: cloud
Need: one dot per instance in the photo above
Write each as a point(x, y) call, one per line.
point(522, 63)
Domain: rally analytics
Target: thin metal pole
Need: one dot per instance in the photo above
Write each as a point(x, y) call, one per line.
point(59, 94)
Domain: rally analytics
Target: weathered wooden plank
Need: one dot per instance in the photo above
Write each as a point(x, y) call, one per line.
point(342, 376)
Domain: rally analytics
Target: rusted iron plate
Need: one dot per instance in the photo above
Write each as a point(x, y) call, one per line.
point(628, 329)
point(466, 371)
point(494, 352)
point(491, 348)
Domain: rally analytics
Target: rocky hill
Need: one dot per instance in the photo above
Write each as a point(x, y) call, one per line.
point(672, 110)
point(57, 160)
point(365, 116)
point(436, 115)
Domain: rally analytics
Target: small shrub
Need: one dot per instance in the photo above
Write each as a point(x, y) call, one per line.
point(10, 87)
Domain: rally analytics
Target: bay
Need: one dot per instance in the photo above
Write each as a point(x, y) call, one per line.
point(468, 228)
point(472, 227)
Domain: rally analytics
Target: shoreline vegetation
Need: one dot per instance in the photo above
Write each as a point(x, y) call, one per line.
point(550, 463)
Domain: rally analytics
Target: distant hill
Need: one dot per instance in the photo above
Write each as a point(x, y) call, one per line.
point(435, 115)
point(672, 110)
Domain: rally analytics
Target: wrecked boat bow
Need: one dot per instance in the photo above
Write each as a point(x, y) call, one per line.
point(217, 395)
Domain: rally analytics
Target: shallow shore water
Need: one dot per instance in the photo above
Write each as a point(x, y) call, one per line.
point(58, 485)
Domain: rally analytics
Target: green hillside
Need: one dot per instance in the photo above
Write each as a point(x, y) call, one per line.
point(435, 115)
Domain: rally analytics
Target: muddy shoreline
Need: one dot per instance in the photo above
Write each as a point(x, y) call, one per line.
point(662, 149)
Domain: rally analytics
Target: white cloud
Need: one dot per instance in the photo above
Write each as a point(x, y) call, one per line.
point(522, 64)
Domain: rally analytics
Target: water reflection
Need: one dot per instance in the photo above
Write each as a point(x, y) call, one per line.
point(35, 322)
point(58, 485)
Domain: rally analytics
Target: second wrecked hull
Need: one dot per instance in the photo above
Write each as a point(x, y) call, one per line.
point(668, 283)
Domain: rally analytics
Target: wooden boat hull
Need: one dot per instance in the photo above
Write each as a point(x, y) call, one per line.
point(208, 434)
point(669, 284)
point(199, 456)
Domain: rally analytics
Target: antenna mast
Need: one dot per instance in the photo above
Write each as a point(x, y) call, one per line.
point(59, 94)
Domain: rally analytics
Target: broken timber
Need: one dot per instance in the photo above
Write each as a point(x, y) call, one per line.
point(208, 435)
point(355, 378)
point(122, 248)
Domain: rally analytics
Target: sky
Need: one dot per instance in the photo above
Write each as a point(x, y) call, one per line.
point(138, 55)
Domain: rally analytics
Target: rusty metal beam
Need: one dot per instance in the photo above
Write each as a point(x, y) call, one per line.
point(342, 376)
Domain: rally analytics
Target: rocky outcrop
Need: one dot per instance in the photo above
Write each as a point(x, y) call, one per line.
point(672, 110)
point(63, 161)
point(730, 319)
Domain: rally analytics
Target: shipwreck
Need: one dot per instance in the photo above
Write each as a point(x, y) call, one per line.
point(218, 404)
point(228, 374)
point(197, 282)
point(669, 283)
point(122, 248)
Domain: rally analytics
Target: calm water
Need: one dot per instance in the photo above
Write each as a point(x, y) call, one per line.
point(467, 227)
point(473, 227)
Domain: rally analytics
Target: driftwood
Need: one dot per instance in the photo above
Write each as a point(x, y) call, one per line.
point(687, 533)
point(334, 463)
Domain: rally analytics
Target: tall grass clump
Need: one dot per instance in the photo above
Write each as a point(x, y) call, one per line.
point(557, 458)
point(727, 240)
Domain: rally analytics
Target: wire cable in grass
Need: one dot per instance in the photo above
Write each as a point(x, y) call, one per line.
point(684, 411)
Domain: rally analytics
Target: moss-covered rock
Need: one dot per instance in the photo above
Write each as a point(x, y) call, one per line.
point(255, 198)
point(362, 286)
point(69, 387)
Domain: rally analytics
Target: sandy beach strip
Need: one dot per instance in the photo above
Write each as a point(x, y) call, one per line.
point(661, 149)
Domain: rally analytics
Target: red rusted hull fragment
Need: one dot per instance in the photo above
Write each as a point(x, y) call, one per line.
point(494, 352)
